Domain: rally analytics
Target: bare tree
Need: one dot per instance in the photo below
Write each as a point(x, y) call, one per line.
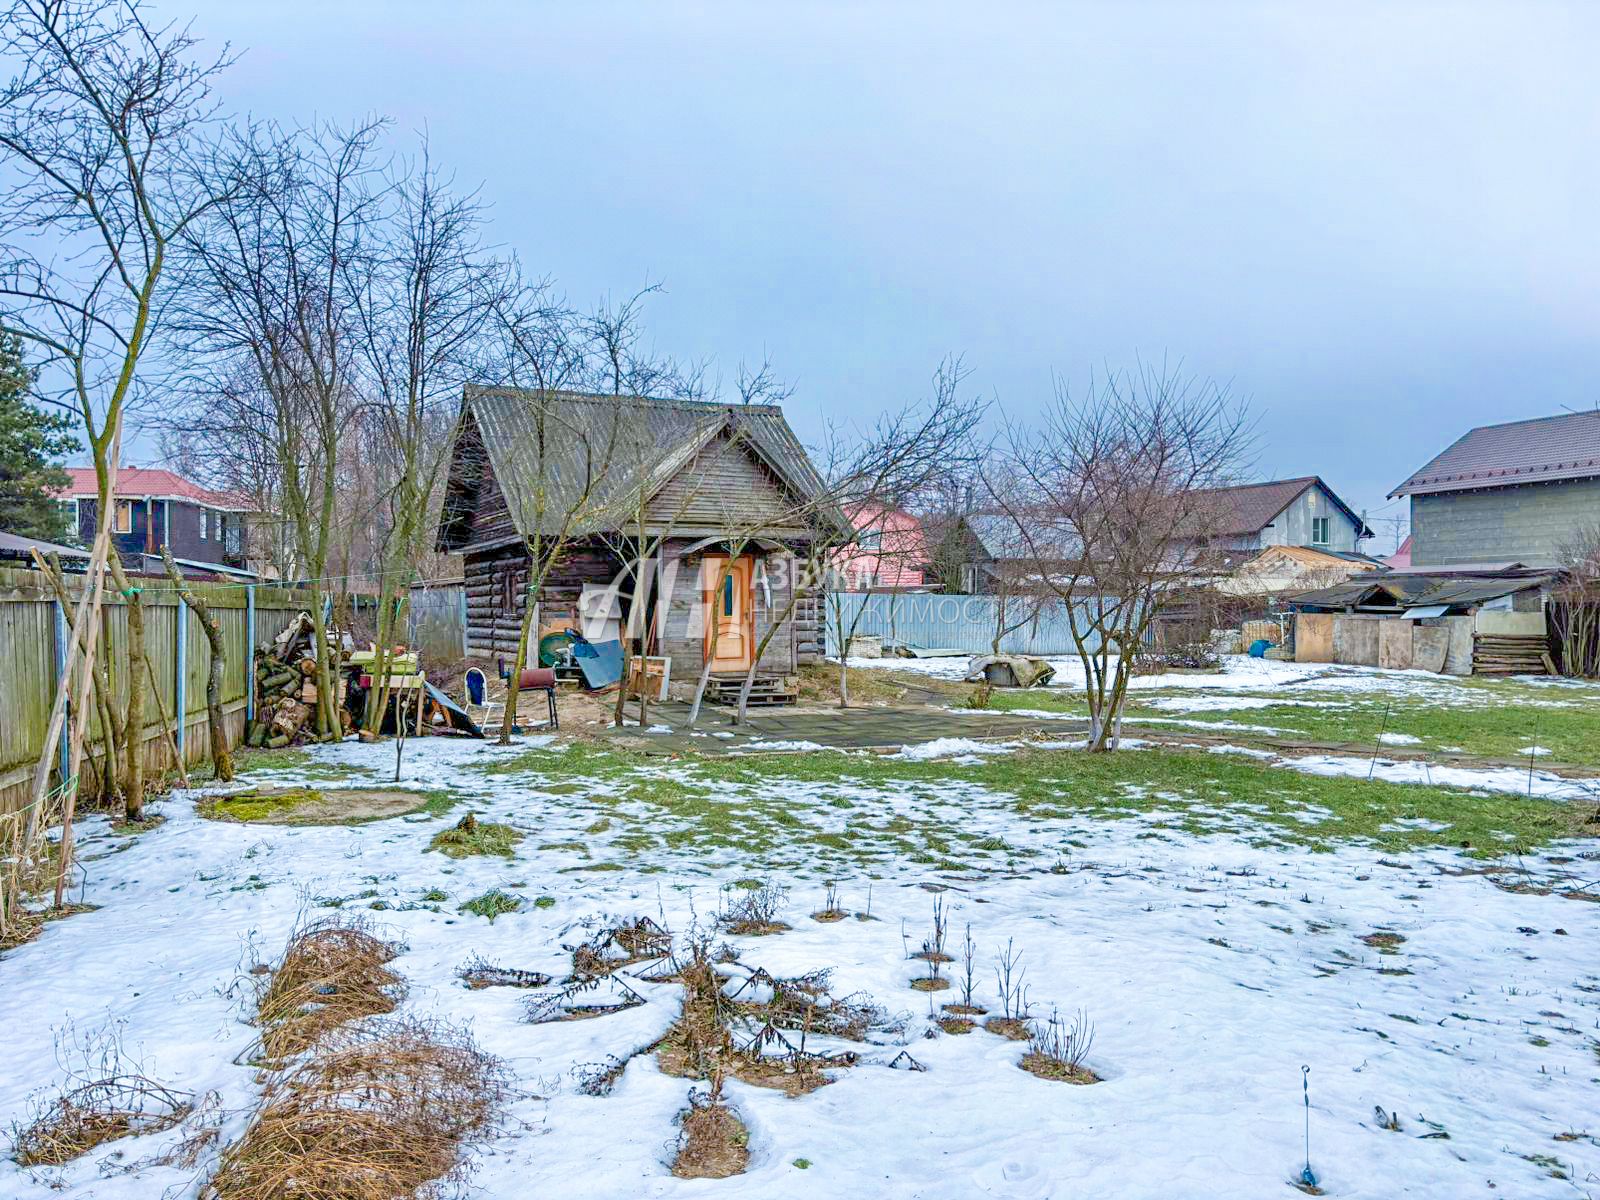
point(106, 130)
point(903, 453)
point(419, 316)
point(1131, 469)
point(271, 279)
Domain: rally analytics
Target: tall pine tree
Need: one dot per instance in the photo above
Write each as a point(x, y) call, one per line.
point(32, 444)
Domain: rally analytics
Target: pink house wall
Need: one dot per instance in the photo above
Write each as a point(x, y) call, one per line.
point(896, 563)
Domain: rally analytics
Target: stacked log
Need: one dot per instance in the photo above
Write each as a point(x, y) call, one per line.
point(1509, 654)
point(286, 691)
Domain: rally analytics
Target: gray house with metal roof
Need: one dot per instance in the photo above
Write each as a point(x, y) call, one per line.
point(1521, 492)
point(698, 486)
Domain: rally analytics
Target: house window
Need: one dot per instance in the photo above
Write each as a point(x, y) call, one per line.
point(1319, 531)
point(124, 516)
point(727, 596)
point(205, 524)
point(871, 539)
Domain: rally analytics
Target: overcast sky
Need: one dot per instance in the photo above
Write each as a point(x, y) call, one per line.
point(1378, 222)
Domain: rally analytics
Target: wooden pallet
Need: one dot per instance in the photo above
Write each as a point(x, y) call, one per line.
point(766, 691)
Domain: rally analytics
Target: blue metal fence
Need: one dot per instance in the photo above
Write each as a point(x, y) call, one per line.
point(956, 622)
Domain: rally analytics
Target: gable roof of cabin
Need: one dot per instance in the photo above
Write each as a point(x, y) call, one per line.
point(612, 448)
point(1250, 507)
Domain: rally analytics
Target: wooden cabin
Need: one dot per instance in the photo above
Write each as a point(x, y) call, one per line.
point(691, 483)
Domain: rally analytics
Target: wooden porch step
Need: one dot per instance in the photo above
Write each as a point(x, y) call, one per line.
point(765, 690)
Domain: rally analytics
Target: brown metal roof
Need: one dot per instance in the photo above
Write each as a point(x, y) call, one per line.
point(1537, 451)
point(1251, 507)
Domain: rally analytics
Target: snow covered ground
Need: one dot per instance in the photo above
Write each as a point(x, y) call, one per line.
point(1212, 970)
point(1243, 674)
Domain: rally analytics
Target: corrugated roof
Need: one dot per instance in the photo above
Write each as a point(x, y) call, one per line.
point(1004, 539)
point(14, 545)
point(1537, 451)
point(615, 445)
point(1414, 589)
point(135, 483)
point(1251, 507)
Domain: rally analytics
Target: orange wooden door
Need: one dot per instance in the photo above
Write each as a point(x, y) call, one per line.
point(730, 614)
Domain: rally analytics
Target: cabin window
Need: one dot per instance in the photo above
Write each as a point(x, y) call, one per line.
point(871, 539)
point(205, 525)
point(124, 516)
point(508, 590)
point(1319, 531)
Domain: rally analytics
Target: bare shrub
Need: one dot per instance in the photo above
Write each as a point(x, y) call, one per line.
point(373, 1113)
point(755, 913)
point(702, 1045)
point(332, 972)
point(619, 944)
point(968, 978)
point(479, 973)
point(1008, 977)
point(713, 1142)
point(1057, 1049)
point(831, 909)
point(106, 1096)
point(584, 997)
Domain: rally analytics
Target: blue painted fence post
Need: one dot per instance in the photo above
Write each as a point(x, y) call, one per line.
point(61, 669)
point(250, 652)
point(182, 705)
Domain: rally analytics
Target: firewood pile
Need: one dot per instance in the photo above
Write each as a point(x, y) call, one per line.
point(286, 687)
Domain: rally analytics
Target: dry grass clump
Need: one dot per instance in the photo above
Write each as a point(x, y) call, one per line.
point(331, 972)
point(713, 1142)
point(106, 1095)
point(755, 914)
point(90, 1114)
point(374, 1113)
point(1057, 1049)
point(470, 836)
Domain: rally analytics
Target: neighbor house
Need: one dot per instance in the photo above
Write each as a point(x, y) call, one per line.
point(1247, 519)
point(726, 493)
point(1524, 492)
point(155, 508)
point(889, 554)
point(999, 553)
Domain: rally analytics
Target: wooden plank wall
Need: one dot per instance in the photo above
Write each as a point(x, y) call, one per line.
point(28, 655)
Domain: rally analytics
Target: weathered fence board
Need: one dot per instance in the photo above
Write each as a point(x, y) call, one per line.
point(29, 652)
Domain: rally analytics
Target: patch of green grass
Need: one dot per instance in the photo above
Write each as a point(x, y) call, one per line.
point(492, 904)
point(257, 806)
point(1492, 718)
point(435, 896)
point(471, 836)
point(545, 902)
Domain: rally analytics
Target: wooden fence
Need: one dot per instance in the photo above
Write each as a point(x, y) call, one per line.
point(33, 647)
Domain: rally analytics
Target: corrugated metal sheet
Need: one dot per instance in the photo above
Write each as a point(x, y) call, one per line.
point(960, 622)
